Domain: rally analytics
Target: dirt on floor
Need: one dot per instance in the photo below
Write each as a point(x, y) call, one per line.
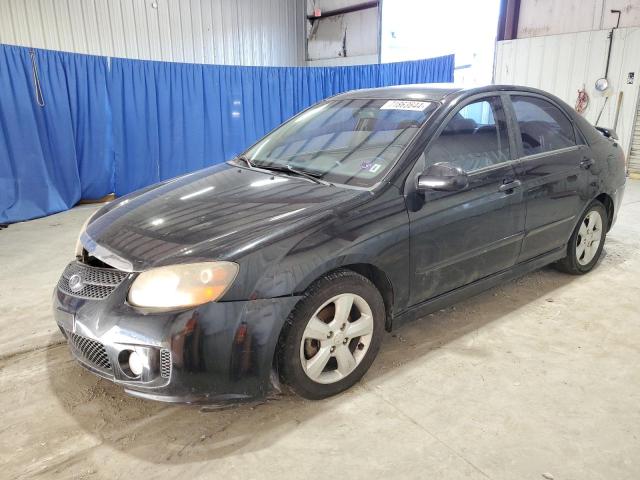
point(536, 379)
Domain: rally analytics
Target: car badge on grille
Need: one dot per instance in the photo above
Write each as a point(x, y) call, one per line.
point(75, 283)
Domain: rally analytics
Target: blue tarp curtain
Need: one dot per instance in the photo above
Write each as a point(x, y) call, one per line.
point(116, 125)
point(51, 156)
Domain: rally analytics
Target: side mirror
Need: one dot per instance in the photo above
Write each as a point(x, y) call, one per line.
point(443, 177)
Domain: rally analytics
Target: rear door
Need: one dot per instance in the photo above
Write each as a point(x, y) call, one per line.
point(460, 237)
point(554, 170)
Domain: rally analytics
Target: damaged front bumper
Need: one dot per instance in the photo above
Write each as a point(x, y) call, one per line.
point(215, 353)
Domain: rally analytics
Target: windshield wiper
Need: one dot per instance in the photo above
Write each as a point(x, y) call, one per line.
point(290, 169)
point(310, 176)
point(246, 160)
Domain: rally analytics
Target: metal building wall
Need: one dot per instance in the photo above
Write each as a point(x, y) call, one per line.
point(562, 64)
point(552, 17)
point(238, 32)
point(345, 39)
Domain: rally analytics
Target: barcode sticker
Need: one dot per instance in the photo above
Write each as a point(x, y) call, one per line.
point(405, 105)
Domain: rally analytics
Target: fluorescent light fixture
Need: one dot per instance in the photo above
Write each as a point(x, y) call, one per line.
point(196, 193)
point(157, 221)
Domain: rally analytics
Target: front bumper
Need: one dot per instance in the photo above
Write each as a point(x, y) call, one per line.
point(214, 353)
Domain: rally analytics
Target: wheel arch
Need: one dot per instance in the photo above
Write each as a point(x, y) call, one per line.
point(368, 270)
point(609, 206)
point(376, 275)
point(381, 281)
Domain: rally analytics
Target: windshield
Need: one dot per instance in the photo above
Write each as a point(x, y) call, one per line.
point(352, 142)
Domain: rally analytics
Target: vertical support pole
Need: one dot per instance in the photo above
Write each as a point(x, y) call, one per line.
point(380, 6)
point(508, 20)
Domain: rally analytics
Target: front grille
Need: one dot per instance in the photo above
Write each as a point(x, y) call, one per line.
point(97, 283)
point(90, 351)
point(165, 363)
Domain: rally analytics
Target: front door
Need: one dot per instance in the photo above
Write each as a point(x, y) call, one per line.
point(460, 237)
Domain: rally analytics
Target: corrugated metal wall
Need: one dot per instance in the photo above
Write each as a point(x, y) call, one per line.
point(347, 39)
point(562, 64)
point(238, 32)
point(634, 153)
point(355, 34)
point(551, 17)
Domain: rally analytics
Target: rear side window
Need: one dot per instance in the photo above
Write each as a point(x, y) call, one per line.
point(476, 137)
point(543, 126)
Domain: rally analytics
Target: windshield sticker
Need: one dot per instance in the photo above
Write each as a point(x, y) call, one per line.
point(375, 168)
point(405, 105)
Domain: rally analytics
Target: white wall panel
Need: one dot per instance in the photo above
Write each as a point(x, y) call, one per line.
point(551, 17)
point(344, 61)
point(353, 36)
point(235, 32)
point(327, 5)
point(348, 35)
point(562, 64)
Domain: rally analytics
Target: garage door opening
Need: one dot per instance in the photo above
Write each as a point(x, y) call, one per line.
point(414, 29)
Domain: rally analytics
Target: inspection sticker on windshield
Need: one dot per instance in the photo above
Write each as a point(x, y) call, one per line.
point(405, 105)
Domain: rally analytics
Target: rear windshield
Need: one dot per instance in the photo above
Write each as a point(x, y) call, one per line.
point(351, 142)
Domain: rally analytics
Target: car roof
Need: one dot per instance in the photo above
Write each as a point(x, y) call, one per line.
point(429, 91)
point(418, 91)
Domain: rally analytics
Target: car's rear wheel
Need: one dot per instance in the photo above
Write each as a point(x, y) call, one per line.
point(587, 241)
point(332, 336)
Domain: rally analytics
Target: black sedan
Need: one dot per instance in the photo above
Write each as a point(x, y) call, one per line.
point(283, 267)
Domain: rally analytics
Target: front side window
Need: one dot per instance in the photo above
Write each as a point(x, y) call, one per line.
point(543, 127)
point(351, 142)
point(476, 137)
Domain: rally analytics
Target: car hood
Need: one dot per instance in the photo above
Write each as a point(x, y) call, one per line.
point(214, 213)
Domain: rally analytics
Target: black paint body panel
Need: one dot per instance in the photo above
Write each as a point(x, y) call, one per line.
point(284, 232)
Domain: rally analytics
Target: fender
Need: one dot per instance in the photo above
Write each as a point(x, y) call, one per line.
point(375, 234)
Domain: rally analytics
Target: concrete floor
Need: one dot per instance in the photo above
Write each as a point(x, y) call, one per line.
point(539, 378)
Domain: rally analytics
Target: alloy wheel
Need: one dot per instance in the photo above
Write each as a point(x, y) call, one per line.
point(589, 237)
point(336, 338)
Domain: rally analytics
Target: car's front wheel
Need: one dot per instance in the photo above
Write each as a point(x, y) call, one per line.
point(332, 336)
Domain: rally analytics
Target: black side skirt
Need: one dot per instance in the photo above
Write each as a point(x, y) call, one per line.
point(447, 299)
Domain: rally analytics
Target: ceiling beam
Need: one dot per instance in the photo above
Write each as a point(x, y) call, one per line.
point(340, 11)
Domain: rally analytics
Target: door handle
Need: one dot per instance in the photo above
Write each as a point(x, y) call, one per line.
point(509, 187)
point(586, 163)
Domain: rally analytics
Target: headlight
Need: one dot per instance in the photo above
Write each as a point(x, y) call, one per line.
point(82, 229)
point(182, 285)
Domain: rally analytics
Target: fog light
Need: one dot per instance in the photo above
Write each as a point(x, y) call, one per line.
point(135, 363)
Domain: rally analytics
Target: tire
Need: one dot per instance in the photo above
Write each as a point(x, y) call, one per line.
point(316, 352)
point(582, 252)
